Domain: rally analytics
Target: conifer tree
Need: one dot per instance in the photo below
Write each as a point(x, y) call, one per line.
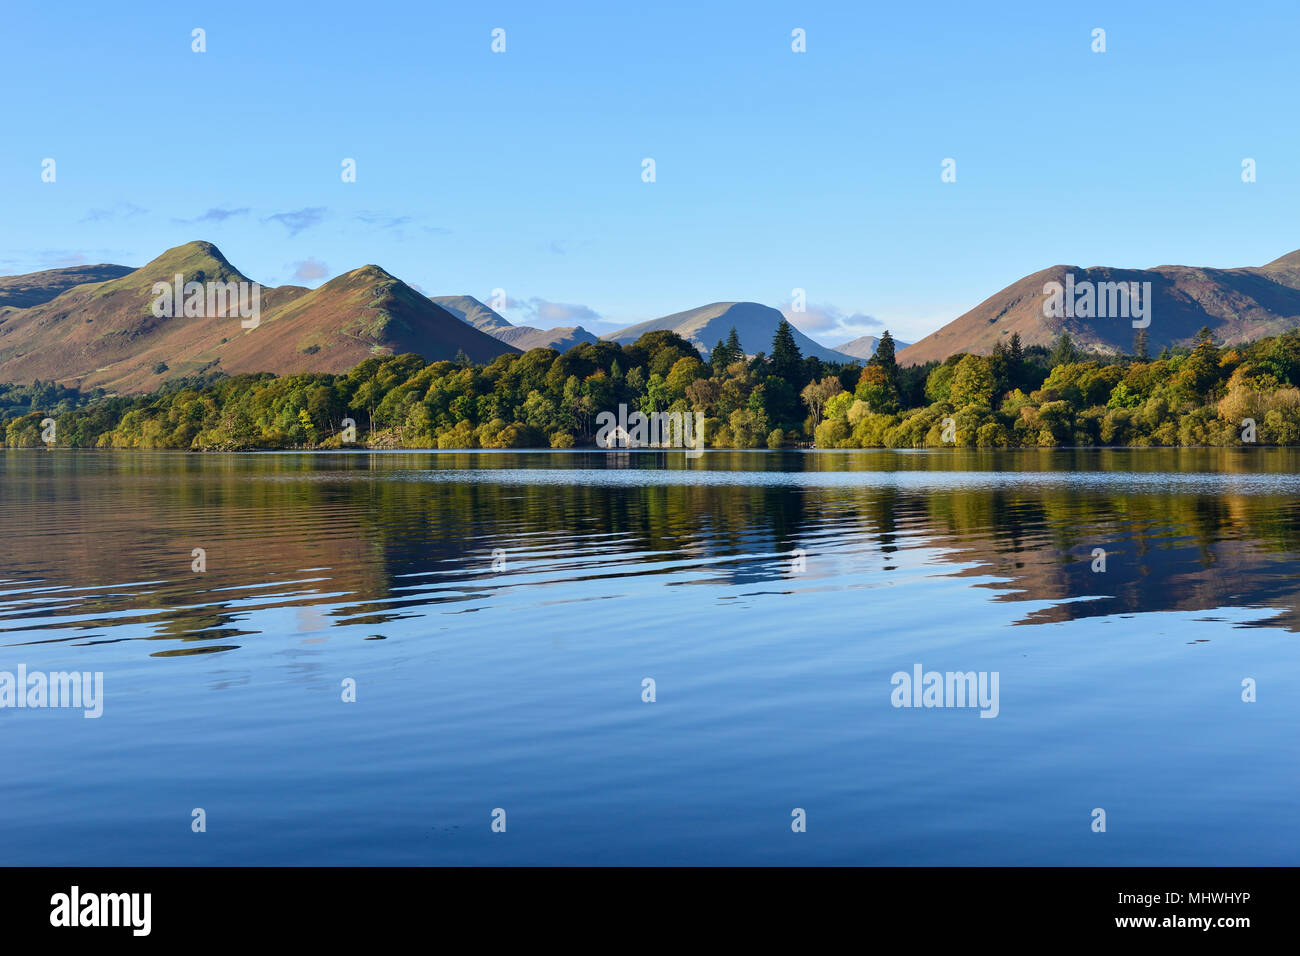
point(1141, 346)
point(734, 350)
point(786, 357)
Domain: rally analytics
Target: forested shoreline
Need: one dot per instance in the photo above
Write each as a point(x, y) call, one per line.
point(1206, 394)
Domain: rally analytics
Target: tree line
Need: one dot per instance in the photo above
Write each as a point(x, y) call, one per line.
point(1016, 397)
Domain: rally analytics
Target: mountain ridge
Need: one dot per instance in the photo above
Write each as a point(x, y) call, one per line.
point(1237, 305)
point(93, 325)
point(106, 334)
point(706, 325)
point(37, 288)
point(523, 337)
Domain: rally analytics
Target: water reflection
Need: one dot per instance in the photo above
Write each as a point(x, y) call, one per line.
point(97, 547)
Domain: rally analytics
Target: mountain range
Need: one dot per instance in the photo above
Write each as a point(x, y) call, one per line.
point(708, 325)
point(523, 337)
point(1237, 305)
point(703, 327)
point(104, 333)
point(94, 325)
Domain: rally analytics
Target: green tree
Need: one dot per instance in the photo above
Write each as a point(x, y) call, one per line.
point(972, 382)
point(1063, 353)
point(719, 358)
point(816, 394)
point(939, 383)
point(1000, 366)
point(1141, 346)
point(786, 358)
point(733, 346)
point(873, 388)
point(885, 359)
point(1016, 377)
point(308, 427)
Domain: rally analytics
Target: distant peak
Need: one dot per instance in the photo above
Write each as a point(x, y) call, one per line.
point(199, 247)
point(191, 257)
point(203, 245)
point(371, 270)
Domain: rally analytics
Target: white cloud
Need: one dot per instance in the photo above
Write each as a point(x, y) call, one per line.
point(544, 314)
point(831, 321)
point(309, 269)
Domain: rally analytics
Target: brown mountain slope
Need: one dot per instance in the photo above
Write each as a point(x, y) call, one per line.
point(359, 314)
point(105, 334)
point(1236, 304)
point(22, 292)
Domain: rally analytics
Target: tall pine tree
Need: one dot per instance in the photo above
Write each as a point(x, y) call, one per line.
point(719, 358)
point(1064, 352)
point(1015, 362)
point(885, 358)
point(1141, 346)
point(733, 346)
point(1000, 366)
point(786, 358)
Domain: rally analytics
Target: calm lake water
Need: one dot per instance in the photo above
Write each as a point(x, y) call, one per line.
point(521, 687)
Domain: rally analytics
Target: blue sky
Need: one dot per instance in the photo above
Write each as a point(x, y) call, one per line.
point(775, 170)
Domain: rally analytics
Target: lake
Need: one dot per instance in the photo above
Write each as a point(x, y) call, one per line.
point(498, 618)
